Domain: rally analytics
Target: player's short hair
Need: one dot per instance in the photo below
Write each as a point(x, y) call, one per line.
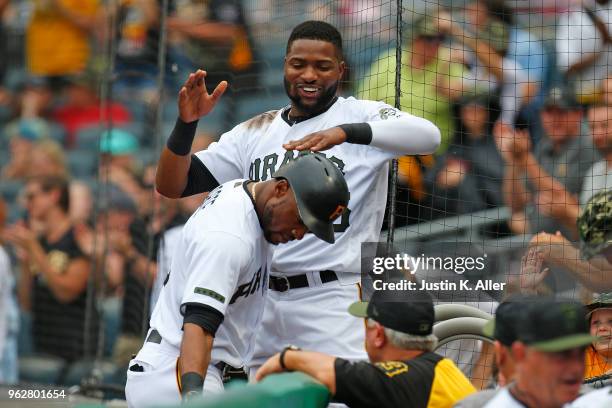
point(317, 30)
point(48, 183)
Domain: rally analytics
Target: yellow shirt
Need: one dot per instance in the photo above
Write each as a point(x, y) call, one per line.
point(55, 45)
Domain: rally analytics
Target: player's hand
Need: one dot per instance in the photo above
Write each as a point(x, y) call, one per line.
point(532, 274)
point(318, 141)
point(194, 100)
point(271, 366)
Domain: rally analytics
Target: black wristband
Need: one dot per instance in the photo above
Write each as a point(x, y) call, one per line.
point(191, 383)
point(281, 358)
point(357, 133)
point(182, 136)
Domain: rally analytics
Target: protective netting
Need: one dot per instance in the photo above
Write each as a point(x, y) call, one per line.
point(88, 92)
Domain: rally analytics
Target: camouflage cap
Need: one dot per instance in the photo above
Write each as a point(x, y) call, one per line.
point(595, 224)
point(601, 301)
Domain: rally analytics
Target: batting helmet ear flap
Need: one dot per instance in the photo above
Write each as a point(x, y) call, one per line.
point(320, 191)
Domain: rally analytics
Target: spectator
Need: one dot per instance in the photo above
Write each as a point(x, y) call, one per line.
point(548, 355)
point(23, 136)
point(47, 159)
point(504, 330)
point(403, 370)
point(430, 82)
point(216, 35)
point(35, 98)
point(58, 35)
point(82, 108)
point(128, 238)
point(592, 265)
point(81, 202)
point(468, 177)
point(496, 21)
point(599, 354)
point(584, 47)
point(137, 48)
point(119, 166)
point(54, 273)
point(554, 170)
point(9, 314)
point(599, 177)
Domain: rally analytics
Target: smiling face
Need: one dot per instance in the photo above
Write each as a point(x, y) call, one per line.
point(601, 325)
point(281, 220)
point(313, 70)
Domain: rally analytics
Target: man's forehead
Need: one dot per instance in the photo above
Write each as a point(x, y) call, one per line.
point(308, 48)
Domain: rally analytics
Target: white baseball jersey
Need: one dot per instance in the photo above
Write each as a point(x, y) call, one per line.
point(254, 149)
point(220, 261)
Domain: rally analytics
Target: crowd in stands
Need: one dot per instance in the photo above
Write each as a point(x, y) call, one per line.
point(525, 124)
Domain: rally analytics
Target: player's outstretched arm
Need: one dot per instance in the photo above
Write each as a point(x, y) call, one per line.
point(194, 102)
point(405, 134)
point(194, 359)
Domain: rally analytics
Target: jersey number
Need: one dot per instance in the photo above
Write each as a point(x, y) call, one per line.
point(344, 221)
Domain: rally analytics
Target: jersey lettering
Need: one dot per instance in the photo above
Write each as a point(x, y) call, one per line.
point(248, 288)
point(259, 172)
point(269, 163)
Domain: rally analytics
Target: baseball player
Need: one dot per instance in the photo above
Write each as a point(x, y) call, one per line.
point(309, 281)
point(212, 299)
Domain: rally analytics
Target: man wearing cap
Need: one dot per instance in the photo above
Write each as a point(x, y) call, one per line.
point(599, 354)
point(503, 328)
point(218, 279)
point(554, 169)
point(548, 355)
point(402, 372)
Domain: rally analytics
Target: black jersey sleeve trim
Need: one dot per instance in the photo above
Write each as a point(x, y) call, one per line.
point(199, 178)
point(207, 317)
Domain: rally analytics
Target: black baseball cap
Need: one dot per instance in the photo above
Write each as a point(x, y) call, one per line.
point(554, 325)
point(503, 327)
point(410, 312)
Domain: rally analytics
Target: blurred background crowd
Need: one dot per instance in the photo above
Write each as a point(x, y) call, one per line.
point(88, 94)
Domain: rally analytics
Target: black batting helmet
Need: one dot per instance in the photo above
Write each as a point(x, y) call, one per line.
point(320, 191)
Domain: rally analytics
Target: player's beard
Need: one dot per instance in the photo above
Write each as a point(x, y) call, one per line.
point(323, 102)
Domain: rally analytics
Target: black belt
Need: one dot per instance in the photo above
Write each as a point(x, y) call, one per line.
point(227, 371)
point(284, 283)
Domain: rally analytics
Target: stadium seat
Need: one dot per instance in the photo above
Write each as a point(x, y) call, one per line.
point(83, 163)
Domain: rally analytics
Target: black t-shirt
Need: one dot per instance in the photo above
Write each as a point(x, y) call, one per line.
point(426, 381)
point(59, 328)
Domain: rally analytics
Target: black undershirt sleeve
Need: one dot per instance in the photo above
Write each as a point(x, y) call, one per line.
point(199, 178)
point(208, 318)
